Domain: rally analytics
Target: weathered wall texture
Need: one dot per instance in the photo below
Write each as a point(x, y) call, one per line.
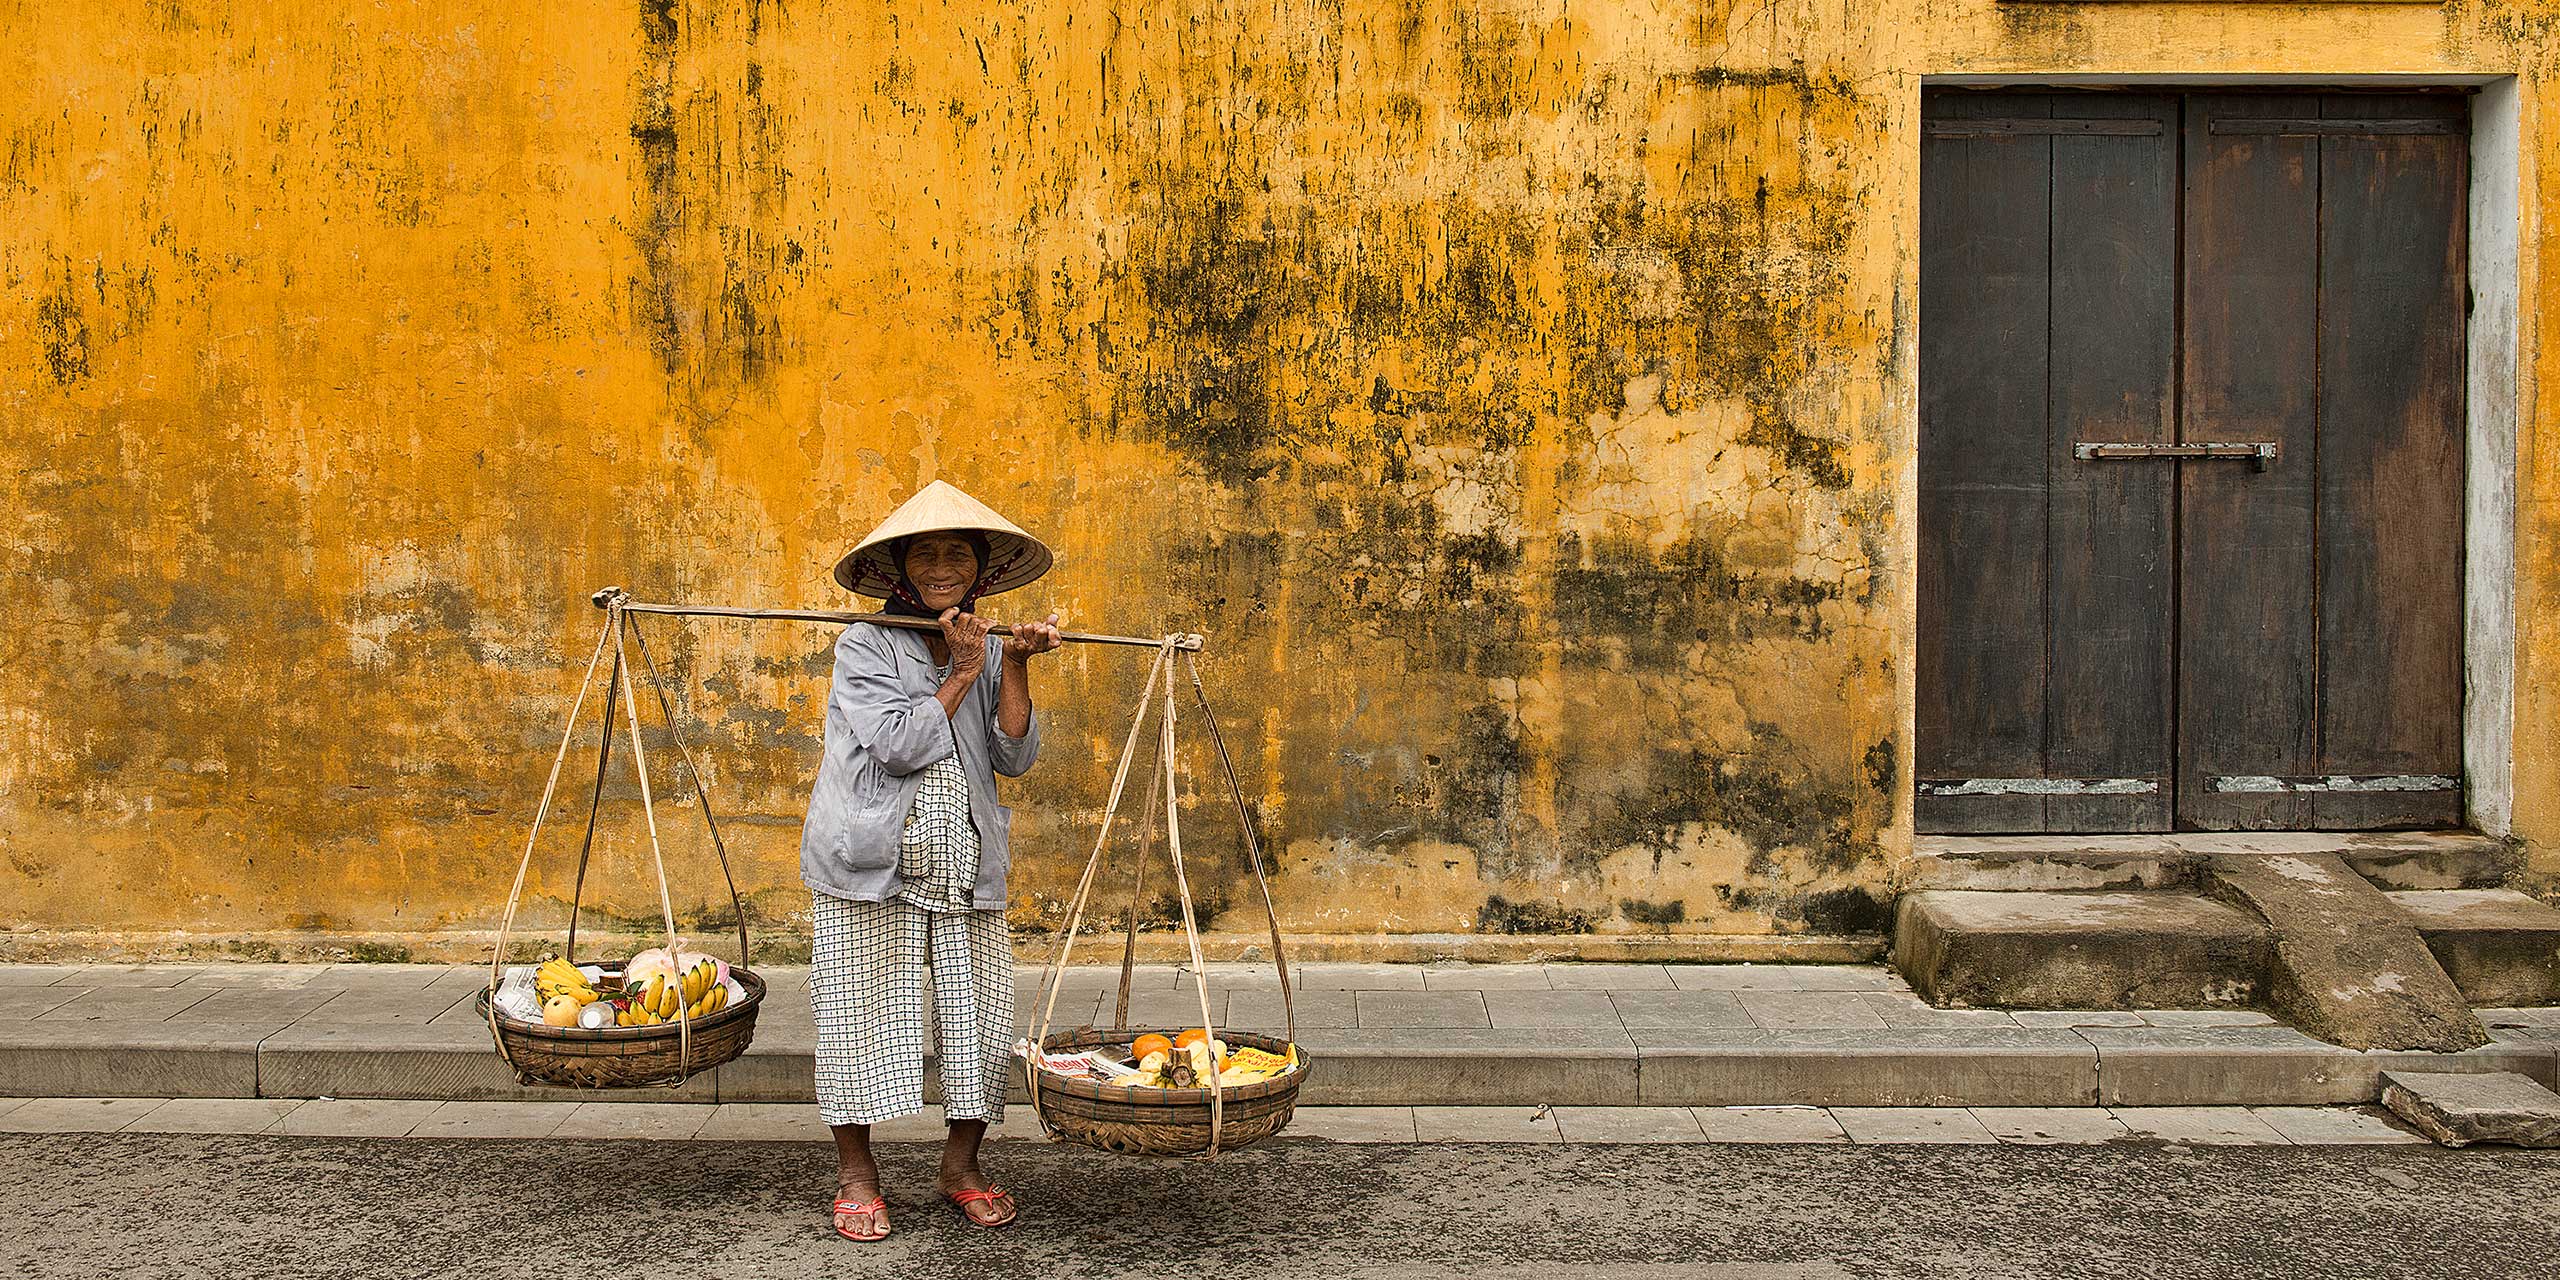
point(1519, 392)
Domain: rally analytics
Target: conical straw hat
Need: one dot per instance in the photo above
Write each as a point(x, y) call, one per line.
point(1013, 557)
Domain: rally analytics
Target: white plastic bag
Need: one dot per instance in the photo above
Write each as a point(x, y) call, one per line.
point(515, 994)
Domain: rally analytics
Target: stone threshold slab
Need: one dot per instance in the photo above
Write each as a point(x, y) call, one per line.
point(2167, 860)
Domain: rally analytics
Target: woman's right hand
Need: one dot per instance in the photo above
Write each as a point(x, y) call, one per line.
point(966, 633)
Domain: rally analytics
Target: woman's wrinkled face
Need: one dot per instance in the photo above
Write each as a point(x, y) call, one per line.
point(942, 568)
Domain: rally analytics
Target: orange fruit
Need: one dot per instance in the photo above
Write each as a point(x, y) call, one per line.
point(1190, 1038)
point(1150, 1043)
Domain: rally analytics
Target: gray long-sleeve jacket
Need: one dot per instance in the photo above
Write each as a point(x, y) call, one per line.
point(884, 726)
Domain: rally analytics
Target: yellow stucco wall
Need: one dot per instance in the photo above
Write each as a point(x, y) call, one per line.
point(1519, 392)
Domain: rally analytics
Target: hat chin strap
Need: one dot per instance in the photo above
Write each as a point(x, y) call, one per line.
point(903, 593)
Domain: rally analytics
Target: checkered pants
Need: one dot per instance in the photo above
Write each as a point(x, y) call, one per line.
point(866, 984)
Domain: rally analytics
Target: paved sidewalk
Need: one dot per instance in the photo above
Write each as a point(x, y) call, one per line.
point(1561, 1035)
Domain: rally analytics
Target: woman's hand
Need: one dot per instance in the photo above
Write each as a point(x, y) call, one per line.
point(1029, 638)
point(966, 633)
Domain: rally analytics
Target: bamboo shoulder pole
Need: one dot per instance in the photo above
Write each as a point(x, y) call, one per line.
point(612, 596)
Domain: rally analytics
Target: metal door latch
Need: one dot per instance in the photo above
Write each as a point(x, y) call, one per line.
point(2260, 453)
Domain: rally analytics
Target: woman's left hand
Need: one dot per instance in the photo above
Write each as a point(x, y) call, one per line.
point(1029, 638)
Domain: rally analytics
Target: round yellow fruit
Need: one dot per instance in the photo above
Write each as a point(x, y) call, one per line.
point(560, 1011)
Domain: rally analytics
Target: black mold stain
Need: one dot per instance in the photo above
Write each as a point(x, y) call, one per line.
point(64, 332)
point(1849, 910)
point(660, 216)
point(1480, 791)
point(1653, 913)
point(898, 84)
point(1792, 77)
point(1880, 767)
point(705, 296)
point(1490, 74)
point(1206, 390)
point(1658, 605)
point(1400, 402)
point(1770, 805)
point(1410, 16)
point(1501, 915)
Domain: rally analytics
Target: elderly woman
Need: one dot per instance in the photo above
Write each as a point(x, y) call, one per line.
point(904, 850)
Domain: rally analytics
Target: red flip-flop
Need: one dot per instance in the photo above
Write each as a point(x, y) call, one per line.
point(876, 1204)
point(961, 1200)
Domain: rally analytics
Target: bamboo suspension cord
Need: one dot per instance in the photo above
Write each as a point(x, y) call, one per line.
point(701, 788)
point(1137, 894)
point(1055, 977)
point(1252, 847)
point(1190, 926)
point(498, 954)
point(595, 805)
point(658, 857)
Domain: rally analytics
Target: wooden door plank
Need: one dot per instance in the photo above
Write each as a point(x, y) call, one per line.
point(2248, 366)
point(2112, 378)
point(2392, 268)
point(1983, 303)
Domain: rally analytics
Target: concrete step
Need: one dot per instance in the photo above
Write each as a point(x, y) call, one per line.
point(2177, 860)
point(2460, 1109)
point(2500, 947)
point(2155, 950)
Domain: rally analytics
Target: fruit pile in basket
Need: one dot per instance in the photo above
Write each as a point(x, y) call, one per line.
point(1176, 1062)
point(655, 988)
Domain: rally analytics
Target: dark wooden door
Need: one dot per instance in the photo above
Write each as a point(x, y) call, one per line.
point(2320, 657)
point(2131, 643)
point(2048, 317)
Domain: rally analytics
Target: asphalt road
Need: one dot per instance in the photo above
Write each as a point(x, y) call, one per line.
point(136, 1206)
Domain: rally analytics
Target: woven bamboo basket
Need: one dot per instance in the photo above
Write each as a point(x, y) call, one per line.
point(628, 1057)
point(622, 1057)
point(1141, 1121)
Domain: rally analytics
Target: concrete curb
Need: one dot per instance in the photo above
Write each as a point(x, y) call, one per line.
point(1567, 1035)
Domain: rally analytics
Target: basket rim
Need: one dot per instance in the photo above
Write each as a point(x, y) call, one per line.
point(537, 1031)
point(1097, 1091)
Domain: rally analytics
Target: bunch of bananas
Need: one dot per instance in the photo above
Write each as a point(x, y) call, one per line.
point(697, 994)
point(1261, 1062)
point(558, 977)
